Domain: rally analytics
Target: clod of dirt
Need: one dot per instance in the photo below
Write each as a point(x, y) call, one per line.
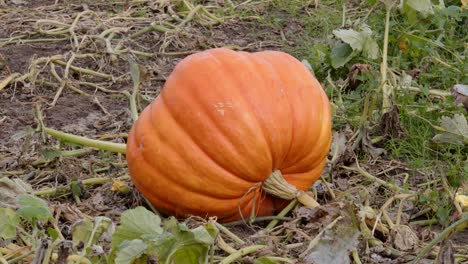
point(404, 238)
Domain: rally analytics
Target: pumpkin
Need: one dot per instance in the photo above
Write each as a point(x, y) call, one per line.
point(232, 133)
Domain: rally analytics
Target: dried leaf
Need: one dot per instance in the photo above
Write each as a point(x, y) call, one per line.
point(120, 186)
point(367, 212)
point(19, 2)
point(446, 253)
point(355, 72)
point(460, 93)
point(462, 199)
point(336, 243)
point(404, 238)
point(368, 147)
point(391, 124)
point(10, 189)
point(317, 218)
point(69, 212)
point(338, 146)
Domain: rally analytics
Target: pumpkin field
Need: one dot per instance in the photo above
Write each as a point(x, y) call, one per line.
point(223, 131)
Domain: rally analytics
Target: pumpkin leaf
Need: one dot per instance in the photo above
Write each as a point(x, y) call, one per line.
point(81, 231)
point(88, 232)
point(182, 245)
point(33, 208)
point(160, 246)
point(422, 6)
point(456, 130)
point(140, 233)
point(359, 40)
point(340, 55)
point(134, 224)
point(191, 246)
point(350, 36)
point(8, 223)
point(129, 251)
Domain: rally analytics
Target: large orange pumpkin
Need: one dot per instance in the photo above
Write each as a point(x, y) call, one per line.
point(223, 123)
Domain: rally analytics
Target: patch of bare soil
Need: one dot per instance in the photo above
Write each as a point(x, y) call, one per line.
point(17, 58)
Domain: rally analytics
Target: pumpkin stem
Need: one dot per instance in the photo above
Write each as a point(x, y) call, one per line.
point(277, 186)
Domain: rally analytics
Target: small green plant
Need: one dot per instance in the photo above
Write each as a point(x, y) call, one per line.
point(141, 235)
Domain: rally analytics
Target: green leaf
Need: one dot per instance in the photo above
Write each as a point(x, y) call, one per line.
point(176, 243)
point(359, 41)
point(456, 130)
point(135, 223)
point(75, 187)
point(33, 208)
point(190, 254)
point(53, 233)
point(161, 246)
point(81, 231)
point(351, 37)
point(32, 213)
point(443, 214)
point(182, 245)
point(129, 251)
point(9, 220)
point(371, 48)
point(191, 246)
point(202, 235)
point(340, 55)
point(49, 154)
point(422, 6)
point(30, 200)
